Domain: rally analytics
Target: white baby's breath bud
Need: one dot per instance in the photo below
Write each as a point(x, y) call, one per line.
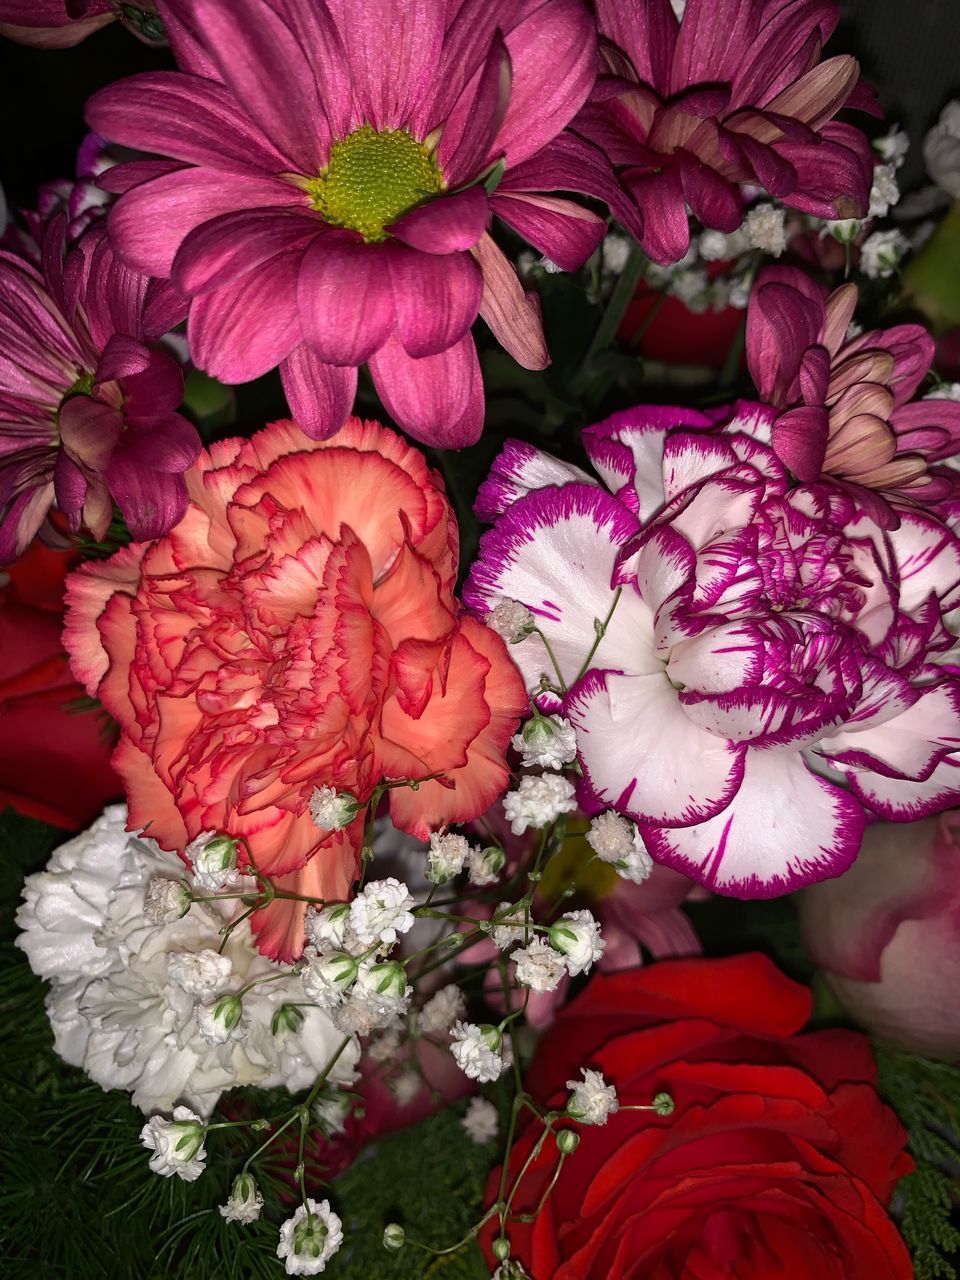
point(765, 228)
point(332, 810)
point(177, 1144)
point(310, 1238)
point(479, 1050)
point(739, 296)
point(165, 900)
point(881, 253)
point(244, 1202)
point(713, 246)
point(484, 865)
point(538, 801)
point(844, 230)
point(509, 925)
point(394, 1237)
point(441, 1011)
point(381, 911)
point(389, 980)
point(220, 1021)
point(885, 192)
point(539, 967)
point(567, 1141)
point(380, 995)
point(690, 284)
point(327, 976)
point(327, 927)
point(385, 1048)
point(203, 974)
point(615, 252)
point(511, 620)
point(501, 1249)
point(480, 1121)
point(331, 1112)
point(592, 1099)
point(576, 936)
point(287, 1020)
point(446, 856)
point(546, 742)
point(616, 840)
point(893, 146)
point(944, 391)
point(214, 859)
point(663, 1104)
point(405, 1087)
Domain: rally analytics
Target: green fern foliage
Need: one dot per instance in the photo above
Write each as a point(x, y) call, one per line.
point(926, 1096)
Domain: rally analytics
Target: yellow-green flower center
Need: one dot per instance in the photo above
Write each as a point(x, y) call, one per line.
point(372, 179)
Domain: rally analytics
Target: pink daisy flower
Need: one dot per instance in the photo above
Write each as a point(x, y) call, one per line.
point(688, 109)
point(846, 407)
point(87, 406)
point(333, 168)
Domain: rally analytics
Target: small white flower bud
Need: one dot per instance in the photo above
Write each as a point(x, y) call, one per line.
point(332, 810)
point(576, 936)
point(287, 1020)
point(592, 1099)
point(511, 620)
point(501, 1249)
point(484, 865)
point(394, 1237)
point(214, 859)
point(177, 1144)
point(663, 1104)
point(567, 1141)
point(165, 900)
point(327, 976)
point(244, 1202)
point(220, 1021)
point(617, 841)
point(546, 742)
point(844, 230)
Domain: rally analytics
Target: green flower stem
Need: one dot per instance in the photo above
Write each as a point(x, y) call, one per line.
point(601, 630)
point(550, 654)
point(612, 317)
point(273, 1137)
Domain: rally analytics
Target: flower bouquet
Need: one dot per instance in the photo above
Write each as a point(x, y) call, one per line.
point(481, 798)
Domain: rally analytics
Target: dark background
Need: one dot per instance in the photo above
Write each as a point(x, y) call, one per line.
point(910, 49)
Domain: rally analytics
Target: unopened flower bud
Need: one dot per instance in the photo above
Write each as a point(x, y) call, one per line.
point(287, 1018)
point(327, 977)
point(511, 620)
point(501, 1249)
point(663, 1104)
point(845, 230)
point(166, 900)
point(394, 1237)
point(214, 858)
point(388, 979)
point(484, 865)
point(333, 810)
point(219, 1021)
point(567, 1142)
point(546, 742)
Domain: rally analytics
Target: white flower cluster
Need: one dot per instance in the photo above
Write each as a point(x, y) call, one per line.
point(617, 841)
point(480, 1051)
point(538, 801)
point(765, 227)
point(143, 1000)
point(941, 150)
point(881, 253)
point(592, 1100)
point(480, 1122)
point(446, 856)
point(572, 946)
point(511, 620)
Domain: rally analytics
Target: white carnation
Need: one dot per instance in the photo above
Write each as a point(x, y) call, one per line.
point(538, 801)
point(592, 1099)
point(203, 974)
point(120, 1013)
point(381, 911)
point(480, 1121)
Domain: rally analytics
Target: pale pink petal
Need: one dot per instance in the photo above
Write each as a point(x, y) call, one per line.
point(512, 314)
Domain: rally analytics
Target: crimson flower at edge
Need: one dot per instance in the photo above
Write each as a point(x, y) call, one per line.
point(324, 201)
point(733, 92)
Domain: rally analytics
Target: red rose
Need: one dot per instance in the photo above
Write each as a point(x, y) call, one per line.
point(54, 761)
point(778, 1160)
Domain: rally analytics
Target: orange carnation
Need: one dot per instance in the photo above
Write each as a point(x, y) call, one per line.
point(297, 629)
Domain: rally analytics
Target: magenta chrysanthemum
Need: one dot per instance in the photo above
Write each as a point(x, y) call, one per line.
point(324, 204)
point(730, 649)
point(87, 407)
point(844, 404)
point(731, 93)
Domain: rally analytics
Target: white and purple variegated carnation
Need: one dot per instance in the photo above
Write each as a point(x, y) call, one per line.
point(752, 668)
